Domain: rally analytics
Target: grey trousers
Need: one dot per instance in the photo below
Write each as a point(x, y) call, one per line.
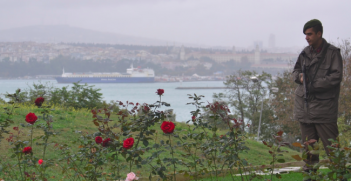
point(324, 131)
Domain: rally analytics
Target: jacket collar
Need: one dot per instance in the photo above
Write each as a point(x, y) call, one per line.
point(308, 50)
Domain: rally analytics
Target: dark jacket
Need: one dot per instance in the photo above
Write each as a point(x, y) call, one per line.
point(325, 89)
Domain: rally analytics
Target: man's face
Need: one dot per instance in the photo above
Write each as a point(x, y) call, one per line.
point(312, 37)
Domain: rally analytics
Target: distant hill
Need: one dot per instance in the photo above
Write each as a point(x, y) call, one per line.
point(65, 33)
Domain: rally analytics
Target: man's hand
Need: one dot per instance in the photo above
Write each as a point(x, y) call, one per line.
point(301, 78)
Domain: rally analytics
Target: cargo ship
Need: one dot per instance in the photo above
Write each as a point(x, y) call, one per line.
point(133, 75)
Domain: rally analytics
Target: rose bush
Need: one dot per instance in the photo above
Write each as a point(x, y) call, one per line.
point(131, 142)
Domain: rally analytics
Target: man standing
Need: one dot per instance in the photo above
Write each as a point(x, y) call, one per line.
point(317, 111)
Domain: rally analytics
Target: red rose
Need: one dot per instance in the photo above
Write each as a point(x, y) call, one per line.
point(31, 118)
point(160, 92)
point(40, 161)
point(27, 150)
point(167, 127)
point(98, 139)
point(39, 101)
point(128, 143)
point(105, 142)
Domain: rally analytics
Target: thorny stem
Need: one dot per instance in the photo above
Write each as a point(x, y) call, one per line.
point(215, 152)
point(12, 171)
point(205, 132)
point(117, 163)
point(31, 137)
point(19, 166)
point(158, 155)
point(172, 152)
point(210, 152)
point(130, 165)
point(136, 147)
point(241, 174)
point(153, 168)
point(236, 149)
point(76, 166)
point(193, 156)
point(46, 141)
point(64, 169)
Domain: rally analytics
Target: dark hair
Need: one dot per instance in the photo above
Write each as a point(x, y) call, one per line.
point(317, 28)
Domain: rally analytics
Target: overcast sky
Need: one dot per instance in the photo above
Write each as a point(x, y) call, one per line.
point(204, 22)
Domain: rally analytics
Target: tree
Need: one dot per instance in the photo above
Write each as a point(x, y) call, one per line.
point(246, 96)
point(345, 89)
point(282, 105)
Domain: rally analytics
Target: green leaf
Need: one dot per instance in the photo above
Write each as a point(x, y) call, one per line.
point(281, 160)
point(310, 147)
point(145, 142)
point(347, 175)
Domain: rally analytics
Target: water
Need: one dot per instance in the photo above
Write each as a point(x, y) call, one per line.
point(141, 93)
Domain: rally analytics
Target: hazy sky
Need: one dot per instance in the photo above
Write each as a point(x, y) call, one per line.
point(205, 22)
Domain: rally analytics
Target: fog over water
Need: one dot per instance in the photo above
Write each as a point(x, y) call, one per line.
point(201, 22)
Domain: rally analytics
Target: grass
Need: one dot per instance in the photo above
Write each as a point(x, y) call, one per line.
point(67, 121)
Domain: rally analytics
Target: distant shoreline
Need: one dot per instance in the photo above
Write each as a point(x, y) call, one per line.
point(128, 83)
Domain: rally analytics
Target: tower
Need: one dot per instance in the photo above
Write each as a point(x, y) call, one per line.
point(257, 55)
point(233, 50)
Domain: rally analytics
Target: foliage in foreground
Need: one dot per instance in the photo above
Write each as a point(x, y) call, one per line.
point(130, 142)
point(140, 136)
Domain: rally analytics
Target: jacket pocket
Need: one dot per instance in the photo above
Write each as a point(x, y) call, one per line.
point(299, 91)
point(299, 103)
point(323, 70)
point(323, 107)
point(330, 94)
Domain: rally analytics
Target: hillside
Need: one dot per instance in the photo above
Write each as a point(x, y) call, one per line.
point(65, 33)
